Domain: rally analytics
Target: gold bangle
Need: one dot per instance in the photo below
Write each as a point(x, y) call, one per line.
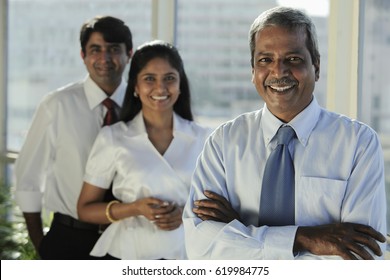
point(108, 211)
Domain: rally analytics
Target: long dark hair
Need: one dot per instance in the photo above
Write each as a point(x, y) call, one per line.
point(132, 105)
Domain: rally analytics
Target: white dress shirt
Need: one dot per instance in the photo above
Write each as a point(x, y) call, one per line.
point(124, 154)
point(339, 177)
point(51, 163)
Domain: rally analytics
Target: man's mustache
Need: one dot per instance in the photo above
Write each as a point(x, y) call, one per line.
point(285, 81)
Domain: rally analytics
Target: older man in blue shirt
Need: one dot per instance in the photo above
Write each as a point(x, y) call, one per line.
point(339, 195)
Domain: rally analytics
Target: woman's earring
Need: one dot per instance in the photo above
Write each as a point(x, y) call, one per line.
point(135, 94)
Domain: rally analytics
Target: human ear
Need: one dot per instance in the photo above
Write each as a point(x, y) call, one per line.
point(82, 54)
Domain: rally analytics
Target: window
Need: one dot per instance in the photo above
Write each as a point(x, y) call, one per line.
point(211, 36)
point(375, 84)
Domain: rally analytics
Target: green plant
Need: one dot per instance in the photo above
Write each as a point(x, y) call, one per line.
point(14, 241)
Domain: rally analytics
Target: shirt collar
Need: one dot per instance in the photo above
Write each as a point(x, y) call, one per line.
point(180, 126)
point(303, 123)
point(95, 95)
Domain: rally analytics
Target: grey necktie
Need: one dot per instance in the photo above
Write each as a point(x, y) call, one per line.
point(277, 202)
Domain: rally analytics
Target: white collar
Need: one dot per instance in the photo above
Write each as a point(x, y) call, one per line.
point(303, 123)
point(181, 127)
point(95, 95)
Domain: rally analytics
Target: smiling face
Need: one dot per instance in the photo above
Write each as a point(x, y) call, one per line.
point(158, 86)
point(105, 62)
point(283, 72)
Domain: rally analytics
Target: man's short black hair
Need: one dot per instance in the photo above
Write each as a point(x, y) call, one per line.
point(113, 30)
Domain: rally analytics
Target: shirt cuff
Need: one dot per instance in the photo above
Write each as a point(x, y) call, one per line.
point(279, 243)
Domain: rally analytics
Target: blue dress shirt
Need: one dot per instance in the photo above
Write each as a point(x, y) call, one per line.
point(339, 177)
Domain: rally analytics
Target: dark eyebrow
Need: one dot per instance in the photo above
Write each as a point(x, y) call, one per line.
point(113, 45)
point(297, 51)
point(263, 53)
point(148, 74)
point(166, 74)
point(94, 46)
point(171, 73)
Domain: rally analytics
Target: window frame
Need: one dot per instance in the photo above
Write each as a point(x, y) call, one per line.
point(343, 57)
point(4, 157)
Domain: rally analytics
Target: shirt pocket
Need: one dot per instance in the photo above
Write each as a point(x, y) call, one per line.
point(318, 200)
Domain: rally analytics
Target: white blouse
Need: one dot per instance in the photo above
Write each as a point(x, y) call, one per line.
point(124, 154)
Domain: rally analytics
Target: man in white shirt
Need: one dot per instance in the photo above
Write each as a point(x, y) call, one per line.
point(339, 191)
point(50, 168)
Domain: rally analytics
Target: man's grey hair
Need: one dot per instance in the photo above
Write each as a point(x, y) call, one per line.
point(287, 18)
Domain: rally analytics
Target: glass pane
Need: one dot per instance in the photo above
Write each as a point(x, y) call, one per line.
point(212, 37)
point(44, 49)
point(375, 83)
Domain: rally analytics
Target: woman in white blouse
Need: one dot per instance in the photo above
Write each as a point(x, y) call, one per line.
point(150, 157)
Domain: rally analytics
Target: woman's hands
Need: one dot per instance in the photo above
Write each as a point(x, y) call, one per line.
point(165, 215)
point(91, 208)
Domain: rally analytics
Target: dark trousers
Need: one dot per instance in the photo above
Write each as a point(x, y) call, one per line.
point(66, 242)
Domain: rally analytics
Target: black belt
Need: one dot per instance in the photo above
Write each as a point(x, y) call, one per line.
point(73, 223)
